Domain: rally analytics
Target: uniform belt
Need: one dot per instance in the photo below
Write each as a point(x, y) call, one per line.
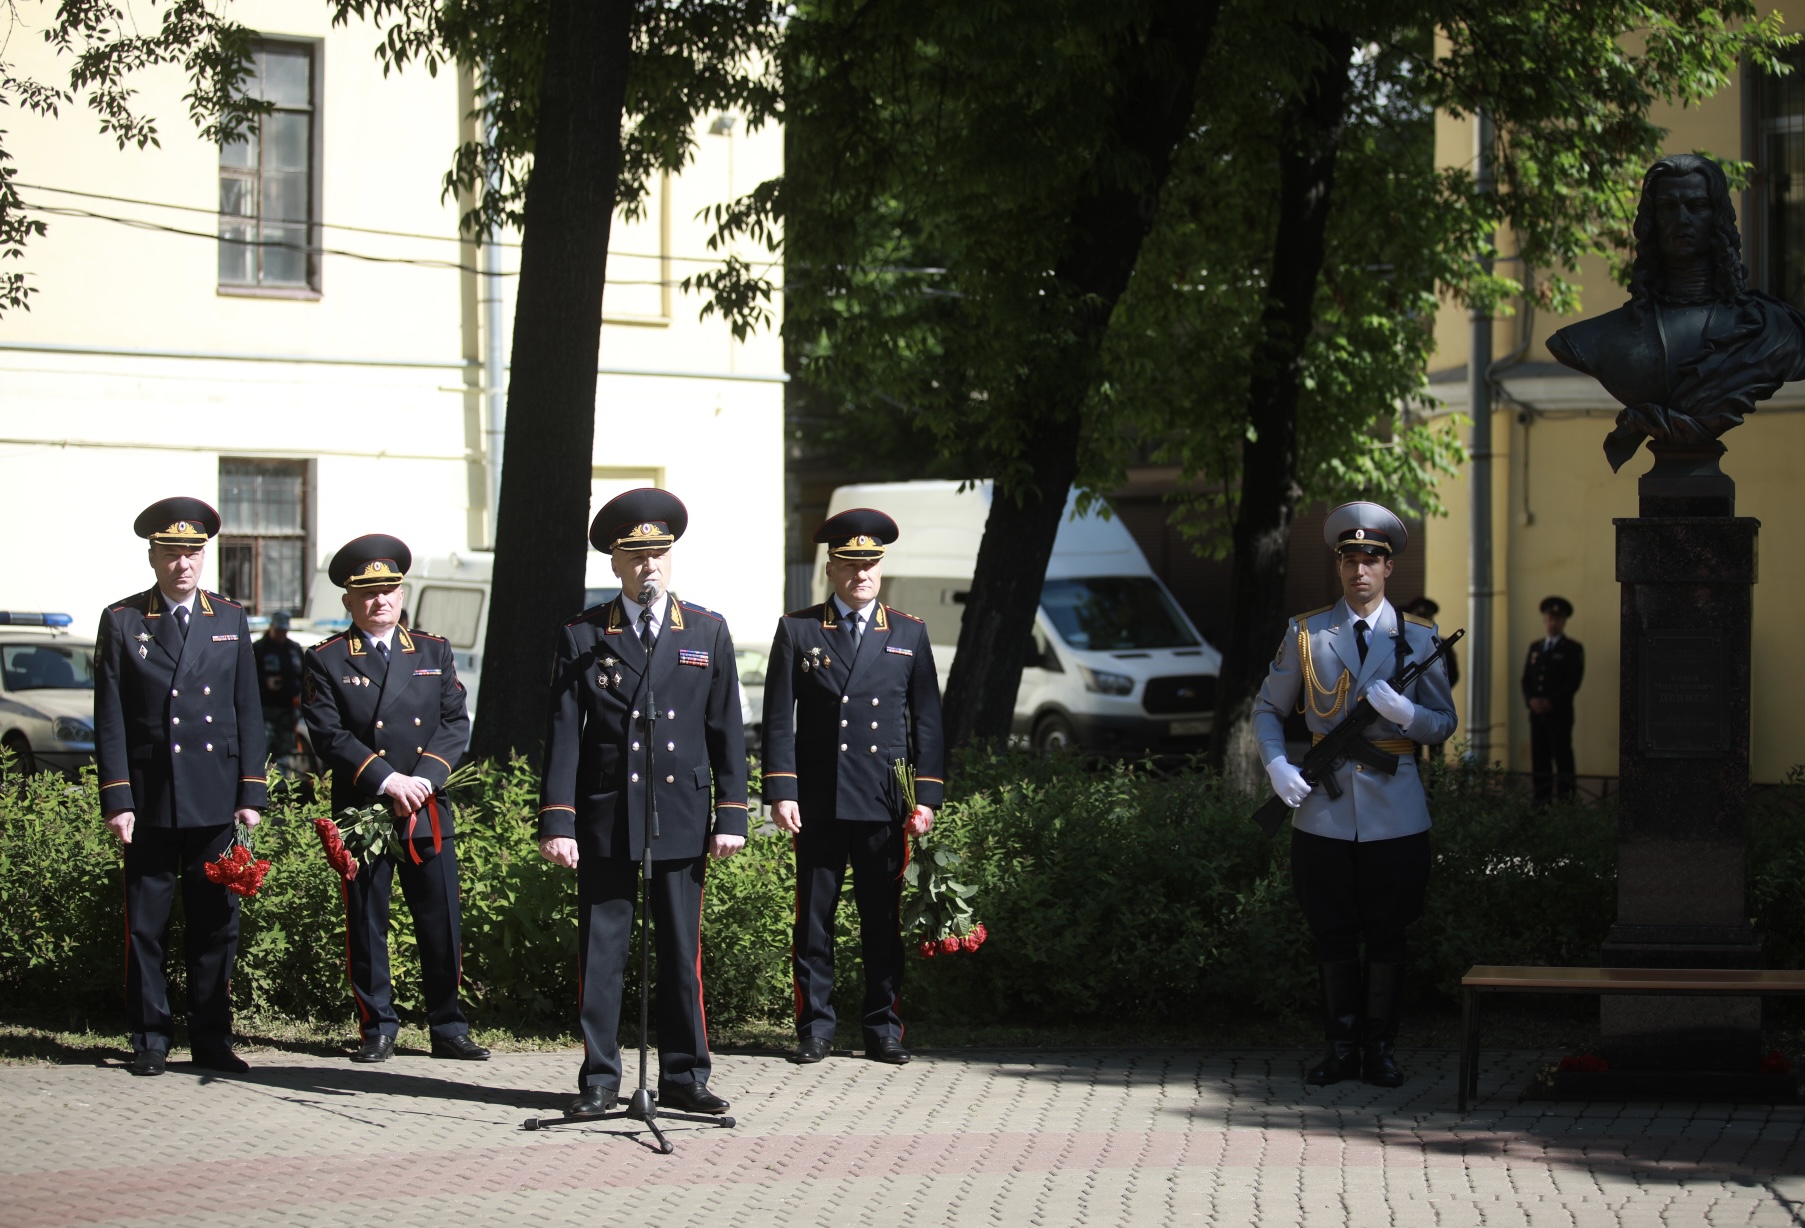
point(1391, 746)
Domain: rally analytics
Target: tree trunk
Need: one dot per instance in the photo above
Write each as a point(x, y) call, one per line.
point(1149, 118)
point(1269, 485)
point(541, 530)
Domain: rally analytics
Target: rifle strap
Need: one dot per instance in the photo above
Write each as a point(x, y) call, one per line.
point(1402, 649)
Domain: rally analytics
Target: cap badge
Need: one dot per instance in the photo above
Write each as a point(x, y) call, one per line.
point(1359, 534)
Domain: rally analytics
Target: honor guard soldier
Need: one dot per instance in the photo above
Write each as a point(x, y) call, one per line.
point(601, 770)
point(850, 692)
point(386, 711)
point(1360, 862)
point(179, 744)
point(1551, 678)
point(279, 667)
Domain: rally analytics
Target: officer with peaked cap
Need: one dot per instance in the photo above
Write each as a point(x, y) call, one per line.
point(607, 750)
point(1551, 678)
point(178, 732)
point(849, 692)
point(386, 711)
point(1359, 863)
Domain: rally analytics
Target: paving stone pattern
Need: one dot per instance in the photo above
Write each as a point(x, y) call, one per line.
point(970, 1138)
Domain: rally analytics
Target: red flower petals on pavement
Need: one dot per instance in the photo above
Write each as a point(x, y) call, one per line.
point(1584, 1063)
point(1774, 1063)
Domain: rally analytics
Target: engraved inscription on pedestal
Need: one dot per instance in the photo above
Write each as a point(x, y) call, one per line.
point(1683, 695)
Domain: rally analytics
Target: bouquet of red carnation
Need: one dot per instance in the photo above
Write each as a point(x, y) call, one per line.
point(337, 855)
point(238, 869)
point(937, 906)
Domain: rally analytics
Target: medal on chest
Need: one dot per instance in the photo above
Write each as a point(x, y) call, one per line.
point(603, 678)
point(813, 659)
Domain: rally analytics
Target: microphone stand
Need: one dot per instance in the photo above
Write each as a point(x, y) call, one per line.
point(643, 1105)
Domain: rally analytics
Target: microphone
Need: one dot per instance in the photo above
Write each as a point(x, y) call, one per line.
point(647, 595)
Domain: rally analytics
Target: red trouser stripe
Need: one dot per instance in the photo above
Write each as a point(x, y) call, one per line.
point(363, 1012)
point(701, 997)
point(796, 920)
point(126, 886)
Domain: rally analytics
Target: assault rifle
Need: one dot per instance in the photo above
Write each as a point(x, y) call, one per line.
point(1348, 741)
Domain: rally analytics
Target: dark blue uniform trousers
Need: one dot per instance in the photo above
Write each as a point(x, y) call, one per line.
point(607, 888)
point(158, 862)
point(877, 852)
point(431, 890)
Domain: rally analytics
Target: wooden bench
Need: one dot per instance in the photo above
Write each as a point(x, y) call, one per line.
point(1670, 982)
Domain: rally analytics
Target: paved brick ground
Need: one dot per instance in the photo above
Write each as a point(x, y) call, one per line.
point(995, 1138)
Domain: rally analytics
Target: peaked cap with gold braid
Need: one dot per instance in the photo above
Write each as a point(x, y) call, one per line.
point(374, 560)
point(178, 521)
point(857, 533)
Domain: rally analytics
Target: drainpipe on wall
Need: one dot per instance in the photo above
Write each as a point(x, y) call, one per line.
point(495, 359)
point(1479, 555)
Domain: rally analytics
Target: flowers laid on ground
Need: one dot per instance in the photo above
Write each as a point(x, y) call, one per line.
point(1774, 1063)
point(358, 835)
point(238, 869)
point(937, 907)
point(1584, 1063)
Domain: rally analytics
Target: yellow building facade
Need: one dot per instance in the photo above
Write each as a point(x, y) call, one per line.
point(1554, 495)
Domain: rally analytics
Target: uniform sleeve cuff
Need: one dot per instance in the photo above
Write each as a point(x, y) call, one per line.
point(557, 822)
point(779, 787)
point(730, 819)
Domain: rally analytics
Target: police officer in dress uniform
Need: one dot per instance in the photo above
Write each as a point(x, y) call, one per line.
point(387, 715)
point(850, 691)
point(602, 761)
point(1360, 864)
point(1551, 678)
point(179, 744)
point(279, 667)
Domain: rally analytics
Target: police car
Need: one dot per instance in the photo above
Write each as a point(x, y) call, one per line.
point(46, 693)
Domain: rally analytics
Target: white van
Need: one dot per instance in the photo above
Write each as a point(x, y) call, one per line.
point(1115, 664)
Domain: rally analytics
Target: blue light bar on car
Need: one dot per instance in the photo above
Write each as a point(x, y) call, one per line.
point(22, 618)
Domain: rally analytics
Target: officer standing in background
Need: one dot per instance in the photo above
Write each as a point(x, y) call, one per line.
point(851, 690)
point(1359, 863)
point(1551, 677)
point(606, 749)
point(387, 716)
point(279, 669)
point(178, 733)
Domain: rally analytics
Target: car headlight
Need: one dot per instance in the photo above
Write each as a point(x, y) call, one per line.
point(72, 729)
point(1106, 683)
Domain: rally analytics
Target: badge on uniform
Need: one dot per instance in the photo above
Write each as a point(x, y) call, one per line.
point(901, 652)
point(219, 638)
point(814, 660)
point(692, 656)
point(428, 673)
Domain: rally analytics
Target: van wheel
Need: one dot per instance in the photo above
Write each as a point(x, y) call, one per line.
point(1054, 736)
point(22, 762)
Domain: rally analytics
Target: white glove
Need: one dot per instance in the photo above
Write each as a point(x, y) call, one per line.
point(1287, 782)
point(1391, 705)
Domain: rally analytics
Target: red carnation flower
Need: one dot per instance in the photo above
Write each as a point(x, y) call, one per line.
point(971, 941)
point(1584, 1063)
point(928, 949)
point(237, 870)
point(1774, 1063)
point(980, 933)
point(949, 945)
point(337, 855)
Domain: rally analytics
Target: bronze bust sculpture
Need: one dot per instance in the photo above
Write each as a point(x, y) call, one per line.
point(1694, 349)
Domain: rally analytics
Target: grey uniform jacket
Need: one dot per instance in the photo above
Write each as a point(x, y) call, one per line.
point(1319, 648)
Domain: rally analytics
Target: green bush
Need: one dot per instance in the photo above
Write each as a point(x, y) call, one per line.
point(1117, 892)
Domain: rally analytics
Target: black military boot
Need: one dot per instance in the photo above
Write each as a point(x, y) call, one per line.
point(1379, 1033)
point(1341, 1023)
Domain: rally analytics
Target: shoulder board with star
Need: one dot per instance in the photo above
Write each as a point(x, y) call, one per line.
point(222, 600)
point(1419, 621)
point(135, 602)
point(425, 635)
point(1321, 609)
point(910, 617)
point(329, 642)
point(698, 609)
point(807, 611)
point(591, 614)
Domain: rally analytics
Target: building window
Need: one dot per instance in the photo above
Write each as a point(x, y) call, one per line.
point(267, 178)
point(263, 534)
point(1780, 163)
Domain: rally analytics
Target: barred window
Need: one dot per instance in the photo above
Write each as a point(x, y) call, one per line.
point(263, 534)
point(1779, 233)
point(266, 178)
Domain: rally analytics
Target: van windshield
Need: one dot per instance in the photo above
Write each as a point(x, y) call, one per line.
point(1111, 613)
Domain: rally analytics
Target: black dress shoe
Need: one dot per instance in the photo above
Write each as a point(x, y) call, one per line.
point(379, 1048)
point(1341, 1061)
point(221, 1057)
point(459, 1048)
point(888, 1049)
point(690, 1098)
point(1381, 1065)
point(148, 1062)
point(811, 1050)
point(593, 1102)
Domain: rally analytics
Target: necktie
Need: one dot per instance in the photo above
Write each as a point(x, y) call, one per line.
point(1360, 639)
point(645, 630)
point(857, 624)
point(383, 648)
point(181, 620)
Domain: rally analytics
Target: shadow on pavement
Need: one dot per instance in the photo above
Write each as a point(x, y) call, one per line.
point(379, 1081)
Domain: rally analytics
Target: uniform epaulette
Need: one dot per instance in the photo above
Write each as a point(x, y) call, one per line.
point(329, 641)
point(1321, 609)
point(425, 635)
point(807, 611)
point(910, 617)
point(1419, 621)
point(699, 609)
point(223, 600)
point(589, 614)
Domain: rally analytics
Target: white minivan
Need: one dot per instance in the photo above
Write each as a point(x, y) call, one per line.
point(1114, 664)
